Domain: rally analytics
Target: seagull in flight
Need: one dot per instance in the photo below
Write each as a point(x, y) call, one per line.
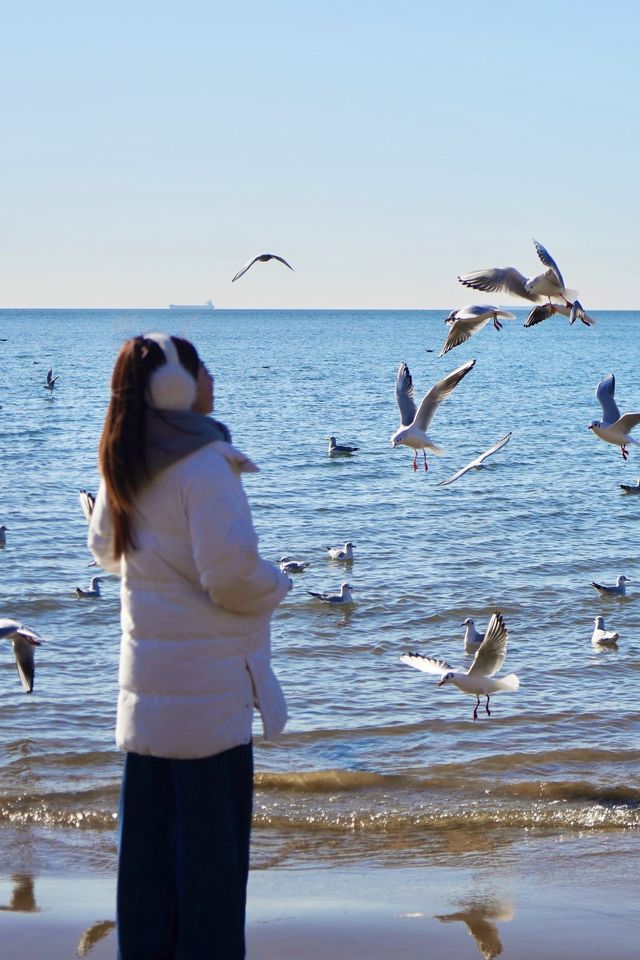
point(478, 462)
point(509, 280)
point(335, 599)
point(613, 428)
point(619, 590)
point(469, 320)
point(479, 680)
point(574, 311)
point(87, 502)
point(93, 590)
point(339, 449)
point(50, 382)
point(23, 641)
point(415, 423)
point(261, 258)
point(344, 554)
point(601, 637)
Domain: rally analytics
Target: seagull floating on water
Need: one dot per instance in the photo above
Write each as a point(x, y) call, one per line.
point(87, 502)
point(261, 258)
point(469, 320)
point(292, 566)
point(92, 592)
point(618, 590)
point(339, 449)
point(335, 599)
point(50, 381)
point(413, 433)
point(472, 637)
point(628, 488)
point(344, 554)
point(478, 680)
point(601, 637)
point(478, 462)
point(574, 311)
point(3, 535)
point(23, 641)
point(613, 428)
point(509, 280)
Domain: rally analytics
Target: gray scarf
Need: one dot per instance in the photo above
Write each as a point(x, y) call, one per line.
point(175, 434)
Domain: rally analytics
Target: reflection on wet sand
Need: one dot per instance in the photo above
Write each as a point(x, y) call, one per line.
point(478, 915)
point(96, 932)
point(23, 898)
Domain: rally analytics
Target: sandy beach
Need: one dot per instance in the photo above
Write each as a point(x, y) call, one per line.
point(561, 897)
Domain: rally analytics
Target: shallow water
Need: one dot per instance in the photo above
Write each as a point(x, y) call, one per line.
point(376, 759)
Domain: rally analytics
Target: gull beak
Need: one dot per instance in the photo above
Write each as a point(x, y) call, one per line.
point(440, 682)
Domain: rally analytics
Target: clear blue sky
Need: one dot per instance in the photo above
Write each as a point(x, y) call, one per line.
point(149, 149)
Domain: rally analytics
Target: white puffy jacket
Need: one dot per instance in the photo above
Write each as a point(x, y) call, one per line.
point(197, 601)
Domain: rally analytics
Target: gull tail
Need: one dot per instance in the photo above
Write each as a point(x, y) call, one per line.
point(509, 683)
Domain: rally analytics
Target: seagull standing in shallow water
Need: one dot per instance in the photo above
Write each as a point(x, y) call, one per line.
point(601, 637)
point(335, 599)
point(478, 680)
point(613, 428)
point(92, 592)
point(23, 641)
point(415, 423)
point(618, 590)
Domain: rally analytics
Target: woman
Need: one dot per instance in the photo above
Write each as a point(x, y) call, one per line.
point(171, 518)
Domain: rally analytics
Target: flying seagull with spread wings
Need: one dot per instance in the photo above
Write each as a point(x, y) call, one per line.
point(575, 311)
point(469, 320)
point(477, 463)
point(416, 422)
point(613, 428)
point(509, 280)
point(23, 641)
point(261, 258)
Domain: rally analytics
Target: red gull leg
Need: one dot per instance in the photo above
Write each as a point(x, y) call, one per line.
point(624, 452)
point(415, 460)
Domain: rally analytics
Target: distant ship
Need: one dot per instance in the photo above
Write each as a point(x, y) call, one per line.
point(207, 305)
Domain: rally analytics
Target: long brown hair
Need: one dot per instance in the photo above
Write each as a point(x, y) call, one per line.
point(122, 452)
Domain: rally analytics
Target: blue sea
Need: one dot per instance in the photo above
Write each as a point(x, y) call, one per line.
point(377, 762)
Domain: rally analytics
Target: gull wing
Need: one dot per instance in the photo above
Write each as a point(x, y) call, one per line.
point(605, 392)
point(548, 261)
point(87, 502)
point(627, 422)
point(477, 462)
point(404, 395)
point(506, 279)
point(244, 269)
point(491, 653)
point(439, 392)
point(274, 256)
point(542, 312)
point(49, 373)
point(462, 330)
point(477, 310)
point(8, 627)
point(23, 649)
point(426, 664)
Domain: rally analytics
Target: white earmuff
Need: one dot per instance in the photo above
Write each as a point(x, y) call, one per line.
point(171, 387)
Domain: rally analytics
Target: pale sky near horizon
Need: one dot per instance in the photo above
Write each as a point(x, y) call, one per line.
point(149, 149)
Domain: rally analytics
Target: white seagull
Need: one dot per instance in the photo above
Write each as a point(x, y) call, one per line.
point(508, 279)
point(50, 382)
point(292, 566)
point(477, 463)
point(92, 592)
point(574, 311)
point(339, 449)
point(261, 258)
point(335, 599)
point(413, 432)
point(3, 535)
point(627, 487)
point(472, 637)
point(23, 641)
point(478, 680)
point(613, 428)
point(469, 320)
point(87, 502)
point(618, 590)
point(601, 637)
point(344, 554)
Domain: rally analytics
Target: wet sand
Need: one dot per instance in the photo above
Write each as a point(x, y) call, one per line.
point(556, 898)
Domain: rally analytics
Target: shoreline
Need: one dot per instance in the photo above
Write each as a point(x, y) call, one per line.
point(562, 898)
